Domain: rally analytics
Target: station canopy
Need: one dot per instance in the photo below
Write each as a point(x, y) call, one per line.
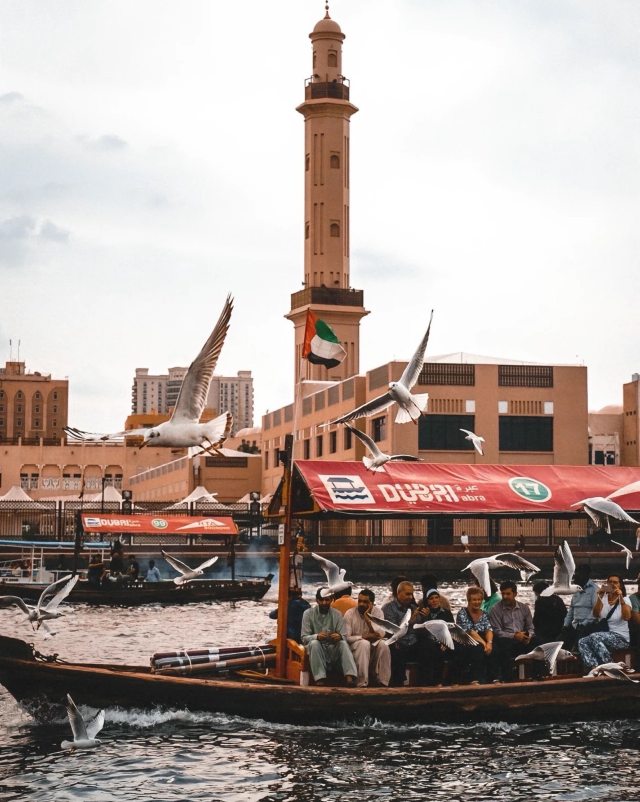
point(420, 489)
point(158, 524)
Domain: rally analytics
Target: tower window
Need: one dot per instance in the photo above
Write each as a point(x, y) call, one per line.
point(335, 230)
point(314, 59)
point(332, 61)
point(306, 231)
point(335, 161)
point(307, 161)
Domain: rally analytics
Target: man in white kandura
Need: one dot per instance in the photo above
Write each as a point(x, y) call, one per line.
point(367, 641)
point(323, 635)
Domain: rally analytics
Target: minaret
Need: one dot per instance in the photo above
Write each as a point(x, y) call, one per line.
point(327, 290)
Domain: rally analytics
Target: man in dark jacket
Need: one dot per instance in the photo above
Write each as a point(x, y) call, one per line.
point(434, 653)
point(548, 614)
point(295, 611)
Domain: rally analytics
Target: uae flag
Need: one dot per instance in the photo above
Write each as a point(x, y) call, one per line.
point(321, 346)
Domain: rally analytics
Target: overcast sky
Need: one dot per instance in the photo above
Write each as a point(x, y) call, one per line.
point(151, 161)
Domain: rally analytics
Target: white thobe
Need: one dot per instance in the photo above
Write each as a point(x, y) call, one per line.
point(372, 658)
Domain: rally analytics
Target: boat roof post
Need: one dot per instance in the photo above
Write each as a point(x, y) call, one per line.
point(285, 555)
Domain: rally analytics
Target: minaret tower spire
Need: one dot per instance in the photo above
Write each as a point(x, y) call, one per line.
point(327, 287)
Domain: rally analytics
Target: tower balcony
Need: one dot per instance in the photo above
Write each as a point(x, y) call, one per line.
point(337, 90)
point(327, 296)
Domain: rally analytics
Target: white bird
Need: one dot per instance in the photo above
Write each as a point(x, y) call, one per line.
point(84, 733)
point(186, 571)
point(43, 612)
point(627, 552)
point(395, 631)
point(183, 429)
point(475, 439)
point(564, 567)
point(549, 652)
point(601, 510)
point(379, 457)
point(480, 568)
point(445, 632)
point(335, 576)
point(613, 670)
point(410, 407)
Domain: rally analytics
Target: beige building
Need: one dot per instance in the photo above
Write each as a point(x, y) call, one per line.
point(630, 428)
point(606, 436)
point(32, 405)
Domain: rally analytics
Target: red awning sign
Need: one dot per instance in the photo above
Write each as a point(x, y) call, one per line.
point(161, 524)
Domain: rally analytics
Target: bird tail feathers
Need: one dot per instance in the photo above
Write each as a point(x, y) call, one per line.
point(415, 410)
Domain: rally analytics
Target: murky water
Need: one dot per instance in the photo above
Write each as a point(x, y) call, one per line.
point(176, 755)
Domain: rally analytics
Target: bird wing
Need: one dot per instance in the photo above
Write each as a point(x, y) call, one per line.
point(412, 371)
point(607, 507)
point(79, 436)
point(219, 429)
point(95, 724)
point(404, 458)
point(206, 564)
point(181, 568)
point(551, 651)
point(51, 589)
point(618, 673)
point(563, 566)
point(331, 569)
point(195, 385)
point(515, 561)
point(627, 552)
point(370, 408)
point(368, 441)
point(13, 601)
point(471, 434)
point(388, 626)
point(77, 722)
point(439, 630)
point(480, 569)
point(461, 635)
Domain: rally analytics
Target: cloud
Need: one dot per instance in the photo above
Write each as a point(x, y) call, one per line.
point(11, 97)
point(375, 265)
point(20, 235)
point(106, 142)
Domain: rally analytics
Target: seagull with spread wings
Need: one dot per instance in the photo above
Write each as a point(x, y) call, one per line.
point(626, 551)
point(480, 568)
point(613, 670)
point(183, 429)
point(563, 570)
point(445, 633)
point(548, 652)
point(378, 458)
point(84, 732)
point(185, 571)
point(601, 510)
point(475, 439)
point(335, 576)
point(43, 612)
point(410, 407)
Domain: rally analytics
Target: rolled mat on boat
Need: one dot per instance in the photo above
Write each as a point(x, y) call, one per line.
point(206, 651)
point(261, 661)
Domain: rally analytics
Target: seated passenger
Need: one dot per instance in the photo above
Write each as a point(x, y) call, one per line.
point(323, 634)
point(153, 575)
point(95, 571)
point(133, 571)
point(549, 613)
point(343, 601)
point(475, 662)
point(296, 609)
point(367, 641)
point(579, 620)
point(614, 606)
point(512, 629)
point(427, 582)
point(434, 653)
point(406, 649)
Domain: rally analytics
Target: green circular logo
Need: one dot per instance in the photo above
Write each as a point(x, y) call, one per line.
point(530, 489)
point(159, 523)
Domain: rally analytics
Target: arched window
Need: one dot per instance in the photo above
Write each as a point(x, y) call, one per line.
point(55, 424)
point(306, 231)
point(333, 60)
point(314, 58)
point(335, 161)
point(37, 395)
point(55, 396)
point(335, 230)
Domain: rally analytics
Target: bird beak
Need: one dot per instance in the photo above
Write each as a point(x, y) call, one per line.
point(143, 444)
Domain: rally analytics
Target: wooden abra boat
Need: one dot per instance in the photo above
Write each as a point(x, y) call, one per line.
point(41, 685)
point(197, 590)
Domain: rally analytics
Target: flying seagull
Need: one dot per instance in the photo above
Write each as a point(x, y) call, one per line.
point(475, 439)
point(549, 652)
point(183, 429)
point(627, 552)
point(613, 670)
point(445, 632)
point(378, 458)
point(84, 733)
point(480, 568)
point(335, 576)
point(43, 612)
point(186, 572)
point(563, 569)
point(410, 407)
point(396, 631)
point(601, 510)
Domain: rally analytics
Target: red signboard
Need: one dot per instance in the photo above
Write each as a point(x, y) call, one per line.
point(159, 524)
point(419, 488)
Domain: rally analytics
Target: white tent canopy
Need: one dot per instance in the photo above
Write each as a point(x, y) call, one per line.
point(16, 493)
point(110, 494)
point(199, 494)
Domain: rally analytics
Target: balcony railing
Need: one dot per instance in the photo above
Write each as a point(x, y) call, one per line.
point(321, 89)
point(330, 296)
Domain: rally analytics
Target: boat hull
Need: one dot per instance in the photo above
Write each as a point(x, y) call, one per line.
point(41, 687)
point(151, 592)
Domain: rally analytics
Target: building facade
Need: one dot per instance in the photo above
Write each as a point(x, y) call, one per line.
point(32, 405)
